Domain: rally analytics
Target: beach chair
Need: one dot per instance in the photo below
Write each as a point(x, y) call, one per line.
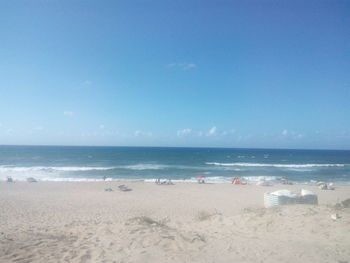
point(124, 188)
point(31, 180)
point(169, 182)
point(325, 186)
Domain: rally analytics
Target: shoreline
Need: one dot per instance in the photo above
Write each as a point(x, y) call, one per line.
point(175, 181)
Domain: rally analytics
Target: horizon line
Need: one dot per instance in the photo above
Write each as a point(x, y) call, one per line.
point(190, 147)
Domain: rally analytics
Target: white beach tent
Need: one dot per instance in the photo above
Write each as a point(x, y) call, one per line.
point(286, 197)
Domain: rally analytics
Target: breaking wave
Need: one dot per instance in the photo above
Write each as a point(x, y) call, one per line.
point(141, 167)
point(276, 165)
point(52, 168)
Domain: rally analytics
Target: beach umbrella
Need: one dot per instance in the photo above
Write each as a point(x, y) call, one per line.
point(200, 178)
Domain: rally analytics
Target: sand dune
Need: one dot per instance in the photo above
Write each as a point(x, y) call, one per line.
point(80, 222)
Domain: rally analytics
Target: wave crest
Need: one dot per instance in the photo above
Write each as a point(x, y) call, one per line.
point(52, 168)
point(141, 167)
point(277, 165)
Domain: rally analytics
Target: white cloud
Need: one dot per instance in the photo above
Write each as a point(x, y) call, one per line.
point(102, 126)
point(184, 132)
point(292, 134)
point(87, 83)
point(68, 113)
point(186, 66)
point(227, 133)
point(39, 128)
point(89, 134)
point(183, 65)
point(142, 133)
point(99, 133)
point(212, 131)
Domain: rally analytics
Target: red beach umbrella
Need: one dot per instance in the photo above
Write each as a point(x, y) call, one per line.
point(200, 179)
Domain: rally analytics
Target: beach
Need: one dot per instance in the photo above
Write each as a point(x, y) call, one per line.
point(184, 222)
point(175, 131)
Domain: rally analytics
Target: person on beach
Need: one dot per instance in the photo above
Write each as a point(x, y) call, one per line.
point(9, 179)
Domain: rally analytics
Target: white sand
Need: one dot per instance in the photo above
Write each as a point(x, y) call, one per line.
point(80, 222)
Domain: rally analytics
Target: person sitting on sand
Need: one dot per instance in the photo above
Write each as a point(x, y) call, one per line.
point(284, 180)
point(237, 180)
point(200, 179)
point(169, 181)
point(9, 179)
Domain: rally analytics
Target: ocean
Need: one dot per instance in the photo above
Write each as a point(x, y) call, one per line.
point(218, 165)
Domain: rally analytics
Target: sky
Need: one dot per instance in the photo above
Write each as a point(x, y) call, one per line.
point(188, 73)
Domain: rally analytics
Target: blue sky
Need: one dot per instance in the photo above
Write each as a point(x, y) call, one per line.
point(261, 73)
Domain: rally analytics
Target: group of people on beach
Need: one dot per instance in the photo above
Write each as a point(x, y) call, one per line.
point(166, 182)
point(201, 180)
point(9, 179)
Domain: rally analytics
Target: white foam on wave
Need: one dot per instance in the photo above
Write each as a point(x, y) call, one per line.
point(276, 165)
point(227, 168)
point(300, 170)
point(68, 169)
point(254, 179)
point(146, 166)
point(221, 179)
point(136, 167)
point(72, 179)
point(212, 180)
point(161, 167)
point(7, 169)
point(75, 179)
point(218, 179)
point(141, 167)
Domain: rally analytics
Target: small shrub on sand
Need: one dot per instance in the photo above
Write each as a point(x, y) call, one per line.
point(204, 215)
point(145, 220)
point(342, 204)
point(346, 203)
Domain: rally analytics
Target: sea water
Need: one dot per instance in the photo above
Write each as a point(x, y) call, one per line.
point(218, 165)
